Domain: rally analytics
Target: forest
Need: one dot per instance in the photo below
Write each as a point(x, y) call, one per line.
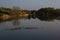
point(47, 13)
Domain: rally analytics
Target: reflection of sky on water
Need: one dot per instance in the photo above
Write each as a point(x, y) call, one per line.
point(32, 29)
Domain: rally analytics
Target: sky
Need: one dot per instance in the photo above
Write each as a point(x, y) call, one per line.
point(30, 4)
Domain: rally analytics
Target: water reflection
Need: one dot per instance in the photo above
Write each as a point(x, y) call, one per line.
point(19, 28)
point(44, 17)
point(41, 16)
point(24, 23)
point(16, 22)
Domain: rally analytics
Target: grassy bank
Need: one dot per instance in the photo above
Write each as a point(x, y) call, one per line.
point(11, 13)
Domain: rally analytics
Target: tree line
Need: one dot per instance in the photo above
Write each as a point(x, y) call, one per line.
point(42, 13)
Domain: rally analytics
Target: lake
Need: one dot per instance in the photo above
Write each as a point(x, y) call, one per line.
point(30, 29)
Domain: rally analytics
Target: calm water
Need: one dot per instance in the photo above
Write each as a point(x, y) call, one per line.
point(30, 29)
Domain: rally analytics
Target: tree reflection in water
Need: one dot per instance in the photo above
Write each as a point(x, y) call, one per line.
point(40, 16)
point(16, 22)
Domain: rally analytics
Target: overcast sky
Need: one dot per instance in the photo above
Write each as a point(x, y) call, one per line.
point(30, 4)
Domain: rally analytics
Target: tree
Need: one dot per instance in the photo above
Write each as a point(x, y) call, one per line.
point(17, 11)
